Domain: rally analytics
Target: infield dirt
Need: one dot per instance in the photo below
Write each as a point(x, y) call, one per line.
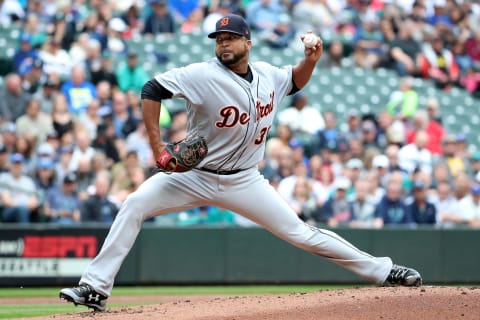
point(424, 303)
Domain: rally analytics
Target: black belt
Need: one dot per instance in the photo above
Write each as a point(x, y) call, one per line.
point(221, 172)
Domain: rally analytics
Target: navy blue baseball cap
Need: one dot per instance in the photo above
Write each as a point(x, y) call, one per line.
point(231, 23)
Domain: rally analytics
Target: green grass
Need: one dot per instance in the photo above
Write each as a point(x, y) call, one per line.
point(13, 311)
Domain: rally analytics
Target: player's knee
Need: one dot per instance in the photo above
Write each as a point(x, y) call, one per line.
point(134, 206)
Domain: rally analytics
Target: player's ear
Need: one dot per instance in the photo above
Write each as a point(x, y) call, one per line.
point(249, 43)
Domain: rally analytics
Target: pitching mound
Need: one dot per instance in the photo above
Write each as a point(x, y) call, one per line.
point(426, 303)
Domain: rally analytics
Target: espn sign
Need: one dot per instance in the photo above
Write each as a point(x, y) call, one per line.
point(59, 246)
point(26, 255)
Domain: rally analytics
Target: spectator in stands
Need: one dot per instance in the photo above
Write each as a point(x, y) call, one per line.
point(32, 75)
point(337, 210)
point(334, 56)
point(404, 50)
point(469, 206)
point(354, 170)
point(106, 140)
point(56, 60)
point(160, 20)
point(95, 26)
point(25, 146)
point(17, 192)
point(121, 171)
point(46, 94)
point(90, 119)
point(13, 99)
point(454, 163)
point(216, 11)
point(62, 205)
point(24, 53)
point(78, 51)
point(33, 27)
point(78, 91)
point(330, 134)
point(193, 23)
point(286, 187)
point(355, 148)
point(302, 199)
point(415, 156)
point(85, 177)
point(133, 20)
point(369, 136)
point(459, 51)
point(63, 163)
point(392, 210)
point(138, 141)
point(104, 97)
point(391, 152)
point(98, 207)
point(8, 132)
point(423, 211)
point(131, 75)
point(44, 177)
point(313, 15)
point(438, 63)
point(61, 118)
point(263, 15)
point(472, 46)
point(362, 206)
point(470, 80)
point(354, 128)
point(474, 164)
point(461, 186)
point(82, 149)
point(303, 120)
point(115, 37)
point(381, 166)
point(34, 122)
point(283, 33)
point(123, 121)
point(104, 71)
point(435, 132)
point(446, 206)
point(433, 110)
point(369, 52)
point(403, 103)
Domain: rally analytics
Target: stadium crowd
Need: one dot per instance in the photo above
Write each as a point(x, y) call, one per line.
point(73, 145)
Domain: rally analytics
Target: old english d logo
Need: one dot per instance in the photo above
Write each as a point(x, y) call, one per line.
point(224, 22)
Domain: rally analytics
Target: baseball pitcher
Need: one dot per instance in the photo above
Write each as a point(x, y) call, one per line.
point(230, 103)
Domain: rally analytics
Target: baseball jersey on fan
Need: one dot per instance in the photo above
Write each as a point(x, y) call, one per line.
point(233, 116)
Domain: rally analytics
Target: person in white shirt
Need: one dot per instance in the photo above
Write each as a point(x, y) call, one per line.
point(469, 207)
point(300, 117)
point(414, 155)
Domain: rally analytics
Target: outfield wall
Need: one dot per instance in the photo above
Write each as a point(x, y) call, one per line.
point(48, 255)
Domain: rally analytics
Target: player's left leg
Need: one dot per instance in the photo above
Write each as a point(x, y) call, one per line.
point(254, 198)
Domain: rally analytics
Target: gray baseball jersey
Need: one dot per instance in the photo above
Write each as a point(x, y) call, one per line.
point(232, 114)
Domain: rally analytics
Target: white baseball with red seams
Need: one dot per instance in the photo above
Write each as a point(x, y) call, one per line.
point(310, 40)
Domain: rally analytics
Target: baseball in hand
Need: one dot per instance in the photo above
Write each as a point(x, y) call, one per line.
point(310, 40)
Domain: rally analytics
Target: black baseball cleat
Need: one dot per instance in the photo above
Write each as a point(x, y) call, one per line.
point(403, 276)
point(84, 295)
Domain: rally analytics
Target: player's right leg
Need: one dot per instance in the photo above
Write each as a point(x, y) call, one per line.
point(158, 195)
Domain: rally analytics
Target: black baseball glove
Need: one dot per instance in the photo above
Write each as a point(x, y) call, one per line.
point(184, 155)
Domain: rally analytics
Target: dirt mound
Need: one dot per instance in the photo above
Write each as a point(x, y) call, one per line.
point(426, 303)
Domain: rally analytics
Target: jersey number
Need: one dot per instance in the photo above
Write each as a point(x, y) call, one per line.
point(262, 135)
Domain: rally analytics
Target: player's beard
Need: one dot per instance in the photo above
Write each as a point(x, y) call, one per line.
point(236, 57)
